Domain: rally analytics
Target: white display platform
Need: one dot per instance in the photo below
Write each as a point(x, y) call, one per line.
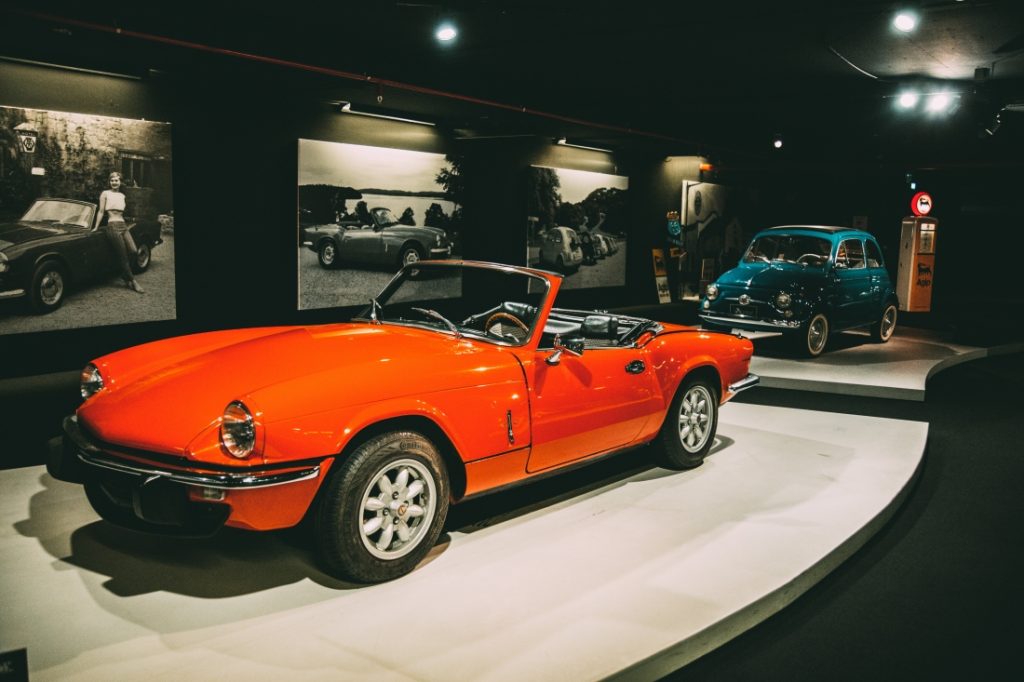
point(632, 578)
point(854, 365)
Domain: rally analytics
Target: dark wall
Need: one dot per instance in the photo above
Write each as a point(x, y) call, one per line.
point(235, 169)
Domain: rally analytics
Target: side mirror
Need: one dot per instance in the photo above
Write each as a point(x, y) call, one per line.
point(573, 347)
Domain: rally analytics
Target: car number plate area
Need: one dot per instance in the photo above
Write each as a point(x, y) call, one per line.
point(744, 310)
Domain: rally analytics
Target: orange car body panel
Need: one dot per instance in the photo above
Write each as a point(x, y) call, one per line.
point(313, 389)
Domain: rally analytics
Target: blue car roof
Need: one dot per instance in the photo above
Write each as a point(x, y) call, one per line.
point(816, 231)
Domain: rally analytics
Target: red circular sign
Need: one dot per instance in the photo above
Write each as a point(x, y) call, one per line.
point(921, 204)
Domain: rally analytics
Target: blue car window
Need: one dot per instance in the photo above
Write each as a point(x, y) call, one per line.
point(789, 248)
point(874, 256)
point(852, 250)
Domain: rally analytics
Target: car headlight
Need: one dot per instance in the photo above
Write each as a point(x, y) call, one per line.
point(237, 430)
point(712, 292)
point(783, 300)
point(439, 241)
point(91, 381)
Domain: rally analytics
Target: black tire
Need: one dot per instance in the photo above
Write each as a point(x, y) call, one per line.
point(48, 286)
point(883, 328)
point(327, 254)
point(813, 336)
point(352, 504)
point(688, 431)
point(409, 255)
point(143, 257)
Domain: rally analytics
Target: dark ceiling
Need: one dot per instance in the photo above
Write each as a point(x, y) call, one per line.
point(718, 77)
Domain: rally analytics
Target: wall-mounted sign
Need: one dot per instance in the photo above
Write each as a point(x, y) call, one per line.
point(921, 204)
point(675, 226)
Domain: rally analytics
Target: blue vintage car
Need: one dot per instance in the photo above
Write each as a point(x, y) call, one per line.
point(805, 281)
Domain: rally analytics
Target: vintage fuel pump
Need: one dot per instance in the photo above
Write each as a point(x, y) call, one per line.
point(917, 257)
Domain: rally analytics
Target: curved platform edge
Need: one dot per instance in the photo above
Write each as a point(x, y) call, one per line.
point(706, 641)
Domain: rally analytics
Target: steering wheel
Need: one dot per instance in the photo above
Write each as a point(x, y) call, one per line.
point(507, 317)
point(810, 258)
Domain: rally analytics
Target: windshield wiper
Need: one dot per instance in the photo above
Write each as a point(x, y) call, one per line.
point(444, 320)
point(375, 311)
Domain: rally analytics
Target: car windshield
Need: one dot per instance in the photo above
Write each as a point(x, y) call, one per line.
point(63, 212)
point(789, 248)
point(384, 217)
point(491, 303)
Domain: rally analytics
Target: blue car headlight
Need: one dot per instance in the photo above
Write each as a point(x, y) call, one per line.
point(712, 291)
point(783, 300)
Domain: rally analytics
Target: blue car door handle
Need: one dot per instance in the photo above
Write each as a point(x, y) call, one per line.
point(636, 367)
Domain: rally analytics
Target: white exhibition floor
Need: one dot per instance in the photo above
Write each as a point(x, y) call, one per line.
point(853, 365)
point(633, 578)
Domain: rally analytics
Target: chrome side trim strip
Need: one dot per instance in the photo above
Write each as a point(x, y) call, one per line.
point(746, 382)
point(13, 293)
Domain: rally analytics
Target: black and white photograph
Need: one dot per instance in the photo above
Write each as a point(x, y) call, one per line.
point(578, 225)
point(711, 234)
point(364, 212)
point(86, 221)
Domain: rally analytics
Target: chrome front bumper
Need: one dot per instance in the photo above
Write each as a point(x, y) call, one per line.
point(91, 455)
point(746, 322)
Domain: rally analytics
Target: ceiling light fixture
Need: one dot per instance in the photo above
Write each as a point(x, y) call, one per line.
point(904, 22)
point(777, 141)
point(446, 32)
point(908, 100)
point(346, 108)
point(562, 141)
point(937, 102)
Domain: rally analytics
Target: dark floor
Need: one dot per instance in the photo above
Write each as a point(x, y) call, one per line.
point(935, 595)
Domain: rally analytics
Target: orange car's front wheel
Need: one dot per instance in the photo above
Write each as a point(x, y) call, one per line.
point(383, 508)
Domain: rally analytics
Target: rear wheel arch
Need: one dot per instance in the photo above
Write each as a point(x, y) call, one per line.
point(708, 373)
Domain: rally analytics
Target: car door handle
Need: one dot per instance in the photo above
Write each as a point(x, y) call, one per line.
point(636, 367)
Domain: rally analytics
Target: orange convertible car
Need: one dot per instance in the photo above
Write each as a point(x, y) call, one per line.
point(372, 427)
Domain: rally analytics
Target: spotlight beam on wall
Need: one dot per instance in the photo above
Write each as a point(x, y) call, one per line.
point(346, 108)
point(562, 141)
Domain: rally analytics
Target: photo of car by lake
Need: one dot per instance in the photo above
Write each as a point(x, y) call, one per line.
point(86, 221)
point(577, 224)
point(364, 212)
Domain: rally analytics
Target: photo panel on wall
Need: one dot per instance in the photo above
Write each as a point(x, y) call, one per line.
point(364, 212)
point(86, 221)
point(578, 224)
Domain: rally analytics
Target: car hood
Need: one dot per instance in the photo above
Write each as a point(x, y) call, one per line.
point(160, 396)
point(22, 233)
point(769, 276)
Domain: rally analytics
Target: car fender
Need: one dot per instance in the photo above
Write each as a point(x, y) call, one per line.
point(677, 355)
point(475, 419)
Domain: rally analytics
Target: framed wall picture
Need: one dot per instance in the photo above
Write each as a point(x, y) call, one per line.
point(578, 224)
point(364, 212)
point(86, 221)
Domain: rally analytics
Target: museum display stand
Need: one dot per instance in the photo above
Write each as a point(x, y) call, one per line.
point(634, 577)
point(854, 365)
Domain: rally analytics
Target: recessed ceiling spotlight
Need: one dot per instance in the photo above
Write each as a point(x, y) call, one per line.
point(446, 32)
point(908, 100)
point(777, 141)
point(904, 22)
